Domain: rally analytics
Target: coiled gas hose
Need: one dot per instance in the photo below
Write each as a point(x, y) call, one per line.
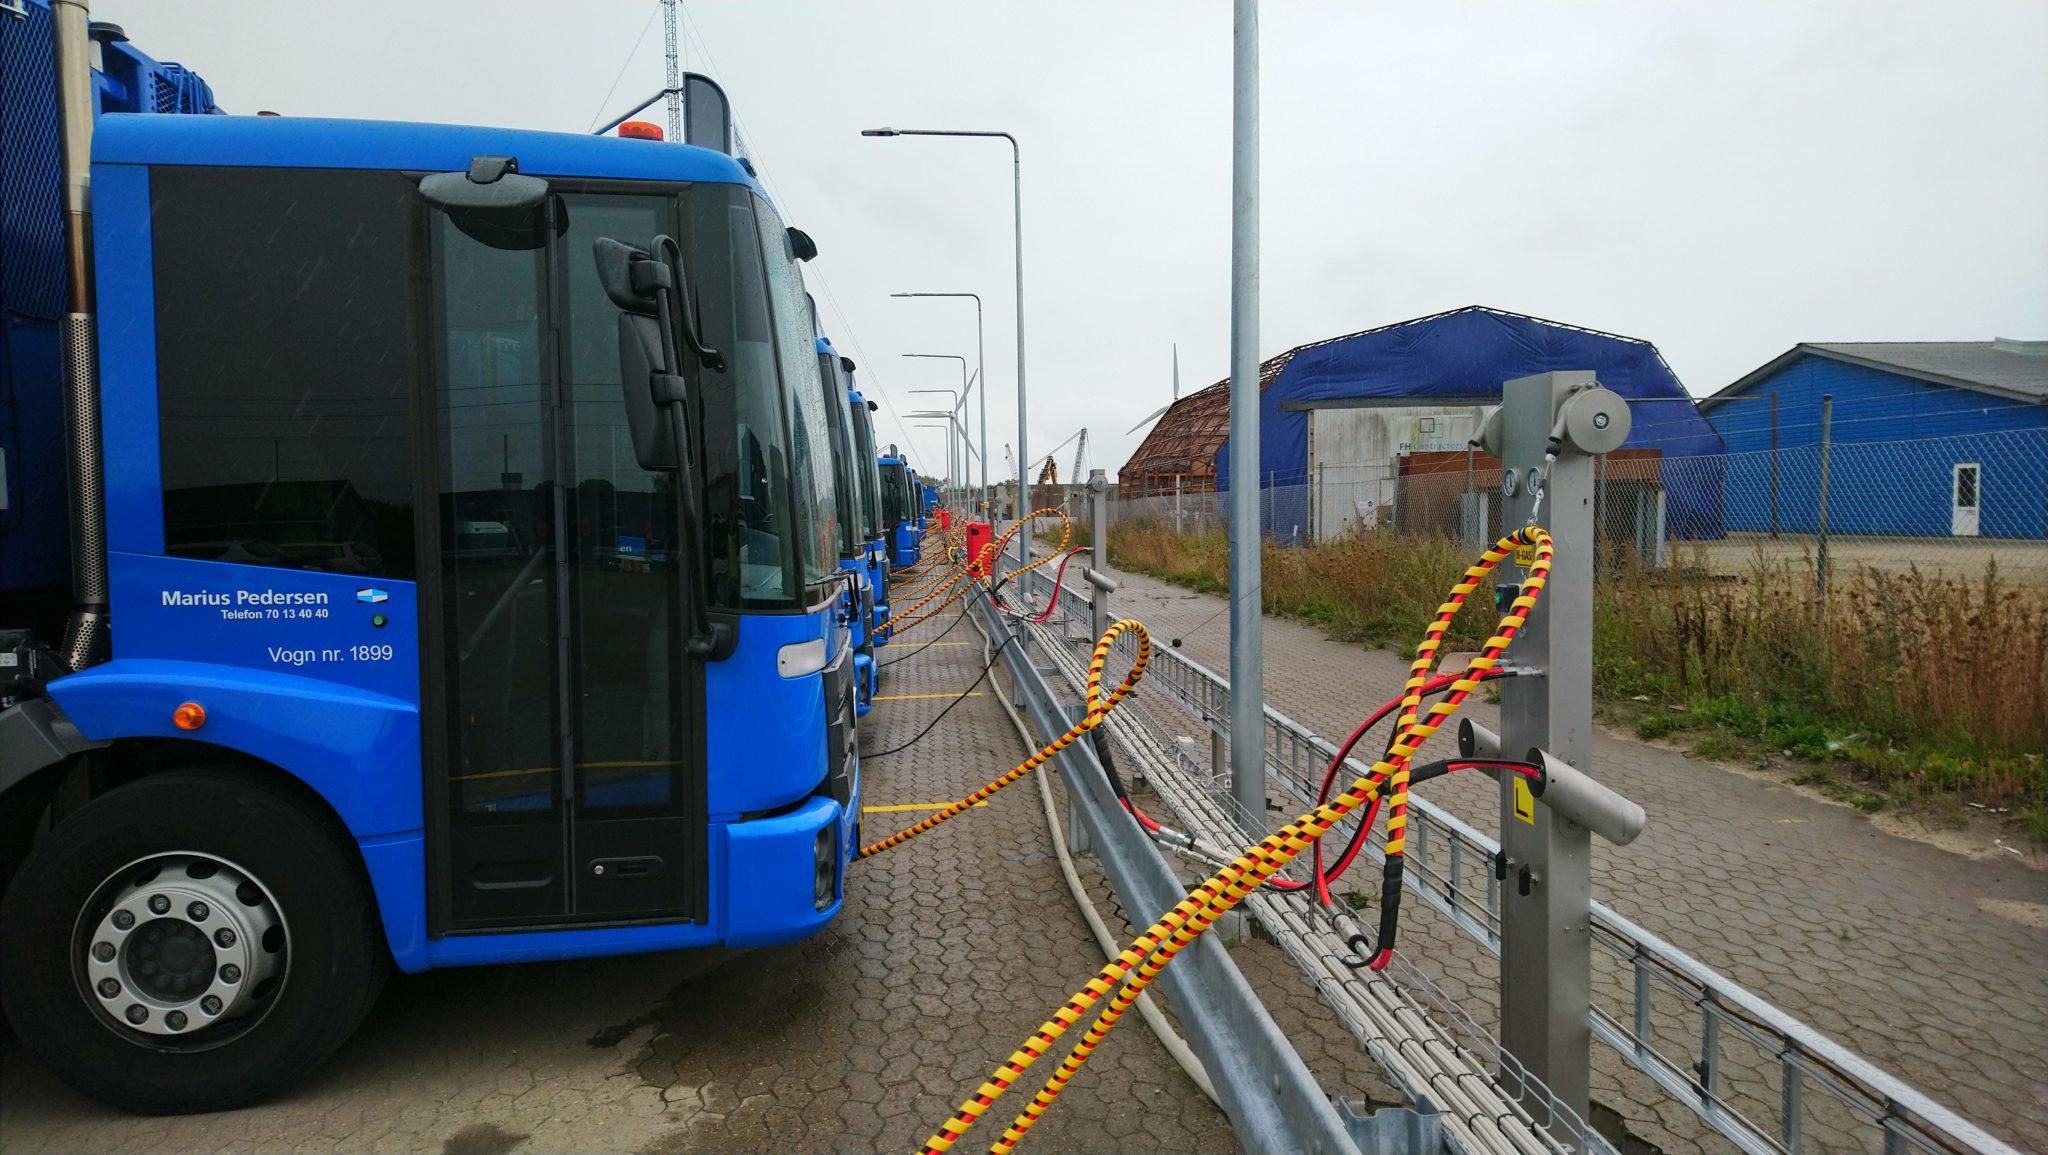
point(963, 575)
point(1152, 951)
point(1176, 1047)
point(1098, 707)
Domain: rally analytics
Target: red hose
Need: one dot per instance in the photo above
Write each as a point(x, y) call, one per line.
point(1321, 879)
point(1058, 583)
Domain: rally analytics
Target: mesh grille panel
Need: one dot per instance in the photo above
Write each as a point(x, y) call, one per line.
point(31, 187)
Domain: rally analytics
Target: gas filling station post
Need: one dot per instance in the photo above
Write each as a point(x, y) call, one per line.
point(1546, 433)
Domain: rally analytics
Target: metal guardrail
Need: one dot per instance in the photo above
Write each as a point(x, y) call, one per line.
point(1442, 1061)
point(1649, 997)
point(1272, 1099)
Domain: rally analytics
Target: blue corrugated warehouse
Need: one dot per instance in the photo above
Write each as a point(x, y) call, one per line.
point(1419, 386)
point(1933, 439)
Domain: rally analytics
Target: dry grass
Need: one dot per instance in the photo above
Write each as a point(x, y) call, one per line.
point(1915, 682)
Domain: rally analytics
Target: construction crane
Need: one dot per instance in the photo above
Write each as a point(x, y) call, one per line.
point(1050, 475)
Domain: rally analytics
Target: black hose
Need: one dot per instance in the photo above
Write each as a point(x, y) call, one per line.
point(920, 649)
point(993, 658)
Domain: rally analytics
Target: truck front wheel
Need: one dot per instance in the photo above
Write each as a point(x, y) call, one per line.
point(188, 942)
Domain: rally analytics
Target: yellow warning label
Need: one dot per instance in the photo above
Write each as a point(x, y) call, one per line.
point(1525, 802)
point(1525, 556)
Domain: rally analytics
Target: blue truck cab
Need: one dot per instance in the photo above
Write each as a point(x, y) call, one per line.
point(874, 532)
point(857, 608)
point(902, 509)
point(474, 546)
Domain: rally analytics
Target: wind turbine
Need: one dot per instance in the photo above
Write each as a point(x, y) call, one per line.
point(1156, 413)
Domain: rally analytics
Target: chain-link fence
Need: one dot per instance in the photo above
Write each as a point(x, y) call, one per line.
point(1950, 506)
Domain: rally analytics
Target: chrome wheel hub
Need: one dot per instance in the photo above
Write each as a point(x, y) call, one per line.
point(183, 942)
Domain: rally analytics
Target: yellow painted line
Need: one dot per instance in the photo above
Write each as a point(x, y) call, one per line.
point(916, 697)
point(901, 807)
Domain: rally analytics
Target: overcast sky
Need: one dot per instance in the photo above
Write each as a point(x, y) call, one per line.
point(1723, 179)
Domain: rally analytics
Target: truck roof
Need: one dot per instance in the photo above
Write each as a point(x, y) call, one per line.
point(310, 142)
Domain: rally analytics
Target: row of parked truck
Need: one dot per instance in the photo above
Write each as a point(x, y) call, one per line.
point(420, 545)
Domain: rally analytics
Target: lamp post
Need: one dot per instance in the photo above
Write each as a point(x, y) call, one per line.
point(955, 460)
point(959, 398)
point(981, 372)
point(947, 427)
point(1017, 203)
point(952, 448)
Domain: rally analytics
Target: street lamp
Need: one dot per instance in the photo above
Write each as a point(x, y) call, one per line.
point(1017, 203)
point(948, 428)
point(980, 371)
point(959, 398)
point(952, 446)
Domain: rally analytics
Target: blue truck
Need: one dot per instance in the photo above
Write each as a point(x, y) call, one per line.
point(902, 508)
point(856, 552)
point(874, 530)
point(461, 503)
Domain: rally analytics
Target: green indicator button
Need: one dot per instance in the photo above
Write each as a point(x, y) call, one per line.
point(378, 620)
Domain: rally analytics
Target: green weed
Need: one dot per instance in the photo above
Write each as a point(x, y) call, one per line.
point(1916, 683)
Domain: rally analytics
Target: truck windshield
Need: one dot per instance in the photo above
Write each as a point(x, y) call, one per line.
point(895, 494)
point(756, 500)
point(816, 524)
point(844, 492)
point(866, 471)
point(285, 389)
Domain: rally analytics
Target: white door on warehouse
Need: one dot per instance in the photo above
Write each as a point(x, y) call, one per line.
point(1966, 494)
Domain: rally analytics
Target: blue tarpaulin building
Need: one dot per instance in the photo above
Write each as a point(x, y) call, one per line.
point(1927, 439)
point(1459, 359)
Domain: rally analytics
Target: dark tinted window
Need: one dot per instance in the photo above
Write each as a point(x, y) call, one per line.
point(745, 441)
point(286, 353)
point(817, 528)
point(895, 494)
point(845, 494)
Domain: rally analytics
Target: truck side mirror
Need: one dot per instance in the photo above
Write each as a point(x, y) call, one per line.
point(492, 184)
point(648, 368)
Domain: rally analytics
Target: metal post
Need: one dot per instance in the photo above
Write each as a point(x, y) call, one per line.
point(1600, 506)
point(1098, 557)
point(1017, 200)
point(981, 373)
point(1023, 427)
point(981, 370)
point(1774, 466)
point(1545, 959)
point(1247, 591)
point(1827, 417)
point(1315, 501)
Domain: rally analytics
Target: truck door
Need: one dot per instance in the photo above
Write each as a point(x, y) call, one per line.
point(563, 722)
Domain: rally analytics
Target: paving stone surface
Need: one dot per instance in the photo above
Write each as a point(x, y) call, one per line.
point(862, 1038)
point(1883, 943)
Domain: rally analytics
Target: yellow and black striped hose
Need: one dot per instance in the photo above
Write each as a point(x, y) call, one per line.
point(949, 538)
point(925, 558)
point(989, 552)
point(1151, 951)
point(1099, 706)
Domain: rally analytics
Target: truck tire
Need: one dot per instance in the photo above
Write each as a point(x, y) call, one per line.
point(189, 942)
